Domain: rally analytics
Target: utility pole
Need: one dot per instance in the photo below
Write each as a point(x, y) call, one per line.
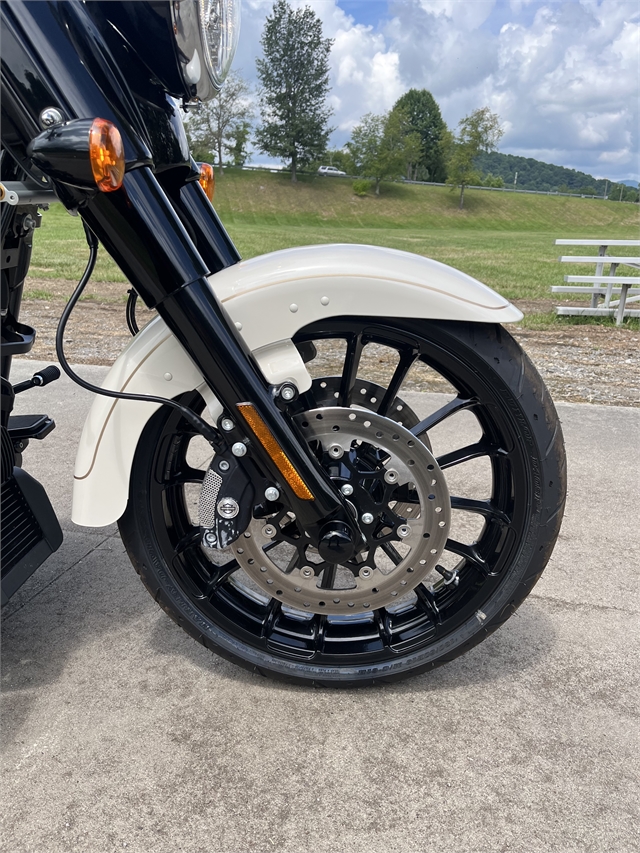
point(515, 180)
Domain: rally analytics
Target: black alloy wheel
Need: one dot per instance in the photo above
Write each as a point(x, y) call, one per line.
point(495, 438)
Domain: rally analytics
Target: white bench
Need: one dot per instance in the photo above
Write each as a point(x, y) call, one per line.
point(601, 285)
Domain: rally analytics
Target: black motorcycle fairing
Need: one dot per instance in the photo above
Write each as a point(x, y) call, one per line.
point(140, 40)
point(145, 29)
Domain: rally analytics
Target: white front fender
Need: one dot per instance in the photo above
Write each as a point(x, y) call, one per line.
point(269, 298)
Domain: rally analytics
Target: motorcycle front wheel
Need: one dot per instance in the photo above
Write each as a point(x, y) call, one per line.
point(494, 442)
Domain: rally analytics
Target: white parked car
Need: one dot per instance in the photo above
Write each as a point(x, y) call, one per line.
point(331, 170)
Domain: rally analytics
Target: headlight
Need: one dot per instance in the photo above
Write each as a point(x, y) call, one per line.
point(207, 35)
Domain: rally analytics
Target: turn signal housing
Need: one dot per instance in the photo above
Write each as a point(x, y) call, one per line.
point(106, 153)
point(86, 153)
point(207, 180)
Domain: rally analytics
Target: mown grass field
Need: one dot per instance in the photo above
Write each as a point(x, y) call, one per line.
point(505, 240)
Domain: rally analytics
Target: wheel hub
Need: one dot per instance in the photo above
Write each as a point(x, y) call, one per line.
point(402, 504)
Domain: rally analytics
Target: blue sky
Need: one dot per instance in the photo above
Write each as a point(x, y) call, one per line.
point(562, 76)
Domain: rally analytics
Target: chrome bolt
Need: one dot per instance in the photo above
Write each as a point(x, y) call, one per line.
point(391, 476)
point(50, 117)
point(239, 449)
point(347, 490)
point(335, 451)
point(271, 494)
point(209, 539)
point(227, 424)
point(268, 531)
point(288, 392)
point(307, 572)
point(404, 530)
point(223, 465)
point(366, 518)
point(365, 572)
point(228, 508)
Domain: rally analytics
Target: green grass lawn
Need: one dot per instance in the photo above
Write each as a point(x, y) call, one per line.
point(505, 240)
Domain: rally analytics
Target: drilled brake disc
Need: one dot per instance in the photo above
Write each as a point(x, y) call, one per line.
point(400, 497)
point(364, 394)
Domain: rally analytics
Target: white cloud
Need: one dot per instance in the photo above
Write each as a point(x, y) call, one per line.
point(563, 76)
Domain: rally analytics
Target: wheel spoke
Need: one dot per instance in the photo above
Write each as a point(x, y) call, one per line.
point(427, 603)
point(350, 369)
point(484, 508)
point(293, 562)
point(328, 576)
point(187, 474)
point(273, 611)
point(392, 553)
point(220, 574)
point(382, 621)
point(465, 454)
point(319, 627)
point(443, 413)
point(469, 553)
point(191, 539)
point(407, 359)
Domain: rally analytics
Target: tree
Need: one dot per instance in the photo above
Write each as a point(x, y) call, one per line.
point(216, 123)
point(382, 145)
point(426, 120)
point(478, 132)
point(491, 180)
point(294, 73)
point(238, 145)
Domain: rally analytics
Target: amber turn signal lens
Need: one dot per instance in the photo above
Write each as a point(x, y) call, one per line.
point(106, 153)
point(277, 454)
point(207, 180)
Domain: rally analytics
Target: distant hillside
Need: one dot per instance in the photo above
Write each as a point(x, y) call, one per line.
point(535, 175)
point(264, 199)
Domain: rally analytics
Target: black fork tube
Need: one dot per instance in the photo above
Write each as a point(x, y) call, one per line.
point(65, 55)
point(142, 232)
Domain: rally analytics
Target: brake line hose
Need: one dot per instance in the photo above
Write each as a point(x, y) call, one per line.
point(200, 425)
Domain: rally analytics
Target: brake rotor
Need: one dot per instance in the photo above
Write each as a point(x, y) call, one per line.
point(386, 471)
point(368, 395)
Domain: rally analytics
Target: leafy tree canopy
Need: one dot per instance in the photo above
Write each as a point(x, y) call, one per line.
point(294, 73)
point(479, 131)
point(237, 146)
point(214, 126)
point(382, 145)
point(426, 120)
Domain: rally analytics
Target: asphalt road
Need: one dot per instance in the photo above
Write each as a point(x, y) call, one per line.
point(121, 733)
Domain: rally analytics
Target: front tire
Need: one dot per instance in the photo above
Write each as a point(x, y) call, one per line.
point(516, 521)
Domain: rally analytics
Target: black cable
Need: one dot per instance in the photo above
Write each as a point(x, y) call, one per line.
point(132, 323)
point(200, 425)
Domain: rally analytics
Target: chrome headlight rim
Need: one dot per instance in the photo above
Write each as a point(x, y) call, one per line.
point(206, 33)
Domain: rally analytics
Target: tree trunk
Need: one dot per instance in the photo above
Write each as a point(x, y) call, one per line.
point(377, 186)
point(219, 155)
point(461, 197)
point(294, 178)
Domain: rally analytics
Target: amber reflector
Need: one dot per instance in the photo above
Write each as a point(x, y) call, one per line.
point(106, 153)
point(207, 180)
point(283, 463)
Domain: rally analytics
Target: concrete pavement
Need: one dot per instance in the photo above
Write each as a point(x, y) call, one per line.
point(121, 733)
